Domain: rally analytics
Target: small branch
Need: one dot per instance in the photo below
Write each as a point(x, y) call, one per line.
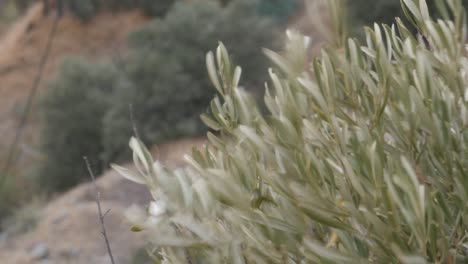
point(104, 215)
point(101, 216)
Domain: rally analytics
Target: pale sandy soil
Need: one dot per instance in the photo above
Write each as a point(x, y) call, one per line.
point(69, 225)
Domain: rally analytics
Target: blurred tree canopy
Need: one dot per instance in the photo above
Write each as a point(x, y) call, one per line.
point(70, 113)
point(280, 10)
point(167, 88)
point(158, 90)
point(365, 12)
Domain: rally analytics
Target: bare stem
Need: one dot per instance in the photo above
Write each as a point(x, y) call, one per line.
point(101, 215)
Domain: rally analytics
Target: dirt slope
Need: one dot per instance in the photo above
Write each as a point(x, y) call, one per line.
point(69, 227)
point(23, 44)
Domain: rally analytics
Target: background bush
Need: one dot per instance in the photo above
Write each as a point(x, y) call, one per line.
point(156, 8)
point(171, 98)
point(86, 109)
point(364, 12)
point(167, 88)
point(118, 5)
point(24, 218)
point(280, 10)
point(84, 9)
point(9, 198)
point(71, 113)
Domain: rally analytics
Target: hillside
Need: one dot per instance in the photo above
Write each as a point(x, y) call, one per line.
point(22, 46)
point(72, 216)
point(69, 231)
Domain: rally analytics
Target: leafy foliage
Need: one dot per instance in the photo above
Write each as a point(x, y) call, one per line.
point(71, 113)
point(280, 10)
point(362, 157)
point(363, 12)
point(167, 88)
point(9, 198)
point(121, 4)
point(379, 11)
point(140, 256)
point(156, 8)
point(23, 219)
point(84, 9)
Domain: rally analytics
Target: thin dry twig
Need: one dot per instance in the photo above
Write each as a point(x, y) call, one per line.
point(101, 215)
point(13, 149)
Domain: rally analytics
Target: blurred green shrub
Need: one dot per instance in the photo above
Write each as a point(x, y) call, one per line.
point(280, 10)
point(71, 113)
point(86, 112)
point(364, 12)
point(157, 8)
point(140, 256)
point(23, 4)
point(167, 88)
point(168, 95)
point(10, 10)
point(84, 9)
point(10, 199)
point(121, 4)
point(24, 218)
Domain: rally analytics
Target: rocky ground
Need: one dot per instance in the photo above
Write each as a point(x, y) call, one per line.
point(68, 230)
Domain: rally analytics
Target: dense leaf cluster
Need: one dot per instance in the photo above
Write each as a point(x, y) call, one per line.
point(362, 157)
